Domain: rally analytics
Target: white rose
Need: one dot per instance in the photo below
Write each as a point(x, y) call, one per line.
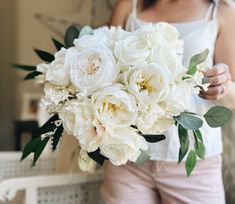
point(85, 163)
point(177, 100)
point(92, 69)
point(98, 39)
point(42, 68)
point(113, 106)
point(78, 120)
point(131, 50)
point(153, 120)
point(167, 57)
point(147, 82)
point(122, 145)
point(54, 98)
point(58, 72)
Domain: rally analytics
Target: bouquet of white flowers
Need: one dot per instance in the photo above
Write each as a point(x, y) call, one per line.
point(115, 91)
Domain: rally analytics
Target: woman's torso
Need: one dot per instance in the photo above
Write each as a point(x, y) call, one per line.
point(197, 36)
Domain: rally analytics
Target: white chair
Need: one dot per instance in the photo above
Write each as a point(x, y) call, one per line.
point(43, 186)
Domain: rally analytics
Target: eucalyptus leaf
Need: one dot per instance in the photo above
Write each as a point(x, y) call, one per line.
point(96, 156)
point(46, 56)
point(30, 147)
point(86, 30)
point(32, 75)
point(154, 138)
point(24, 67)
point(217, 116)
point(144, 156)
point(200, 149)
point(58, 44)
point(199, 58)
point(39, 149)
point(192, 69)
point(188, 121)
point(198, 135)
point(71, 33)
point(184, 142)
point(190, 162)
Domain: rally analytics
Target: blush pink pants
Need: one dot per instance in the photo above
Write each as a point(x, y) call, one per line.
point(159, 182)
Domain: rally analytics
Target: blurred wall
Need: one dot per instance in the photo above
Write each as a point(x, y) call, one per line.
point(7, 74)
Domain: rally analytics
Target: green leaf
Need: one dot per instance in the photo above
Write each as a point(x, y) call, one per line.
point(24, 67)
point(56, 137)
point(217, 116)
point(190, 162)
point(144, 156)
point(46, 56)
point(39, 149)
point(32, 75)
point(86, 30)
point(154, 138)
point(189, 121)
point(200, 149)
point(205, 80)
point(71, 34)
point(199, 58)
point(96, 156)
point(197, 133)
point(58, 44)
point(192, 69)
point(184, 142)
point(30, 147)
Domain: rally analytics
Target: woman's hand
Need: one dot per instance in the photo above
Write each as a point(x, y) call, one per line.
point(219, 79)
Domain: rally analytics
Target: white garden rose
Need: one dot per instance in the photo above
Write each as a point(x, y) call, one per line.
point(58, 72)
point(177, 100)
point(42, 68)
point(92, 69)
point(85, 163)
point(114, 107)
point(153, 120)
point(77, 118)
point(131, 50)
point(148, 82)
point(122, 145)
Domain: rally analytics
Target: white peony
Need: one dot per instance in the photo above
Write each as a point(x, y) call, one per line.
point(77, 118)
point(85, 163)
point(131, 50)
point(153, 120)
point(148, 82)
point(114, 107)
point(92, 69)
point(122, 145)
point(58, 71)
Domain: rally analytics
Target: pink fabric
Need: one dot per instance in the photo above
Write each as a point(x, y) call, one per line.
point(159, 182)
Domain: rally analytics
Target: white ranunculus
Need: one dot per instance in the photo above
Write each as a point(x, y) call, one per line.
point(85, 163)
point(176, 100)
point(153, 120)
point(122, 145)
point(131, 50)
point(58, 71)
point(113, 106)
point(77, 118)
point(92, 69)
point(148, 82)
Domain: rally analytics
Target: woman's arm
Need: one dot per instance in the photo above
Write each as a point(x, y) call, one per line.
point(222, 76)
point(120, 13)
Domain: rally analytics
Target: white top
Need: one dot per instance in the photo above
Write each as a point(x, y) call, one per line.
point(197, 36)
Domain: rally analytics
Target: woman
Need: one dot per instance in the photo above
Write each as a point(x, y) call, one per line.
point(201, 24)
